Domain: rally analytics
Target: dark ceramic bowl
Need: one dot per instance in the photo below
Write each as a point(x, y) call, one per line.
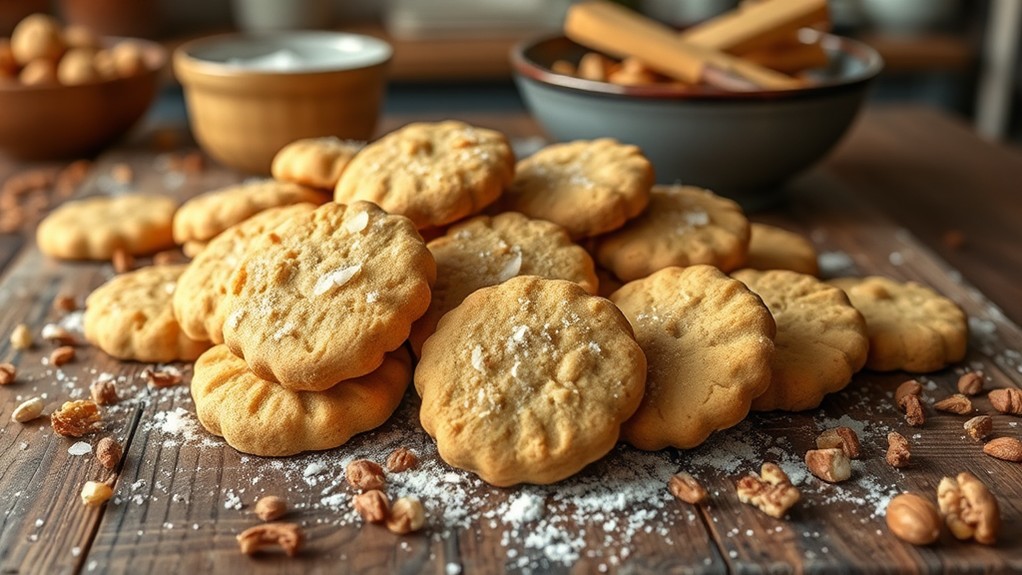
point(740, 144)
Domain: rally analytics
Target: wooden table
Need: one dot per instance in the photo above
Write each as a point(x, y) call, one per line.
point(883, 203)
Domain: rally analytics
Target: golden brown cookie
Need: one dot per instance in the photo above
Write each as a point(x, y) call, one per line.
point(323, 296)
point(708, 342)
point(486, 251)
point(910, 326)
point(314, 162)
point(773, 248)
point(589, 187)
point(203, 217)
point(263, 418)
point(94, 228)
point(529, 381)
point(434, 174)
point(131, 317)
point(203, 285)
point(821, 339)
point(682, 226)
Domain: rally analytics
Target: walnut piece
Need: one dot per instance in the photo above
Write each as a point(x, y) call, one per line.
point(270, 508)
point(287, 536)
point(76, 418)
point(372, 506)
point(108, 452)
point(96, 493)
point(830, 465)
point(364, 474)
point(957, 403)
point(104, 392)
point(28, 410)
point(979, 427)
point(685, 487)
point(843, 438)
point(1006, 448)
point(401, 459)
point(898, 453)
point(7, 373)
point(970, 510)
point(62, 355)
point(971, 383)
point(1007, 400)
point(21, 337)
point(160, 379)
point(122, 261)
point(406, 515)
point(771, 491)
point(913, 519)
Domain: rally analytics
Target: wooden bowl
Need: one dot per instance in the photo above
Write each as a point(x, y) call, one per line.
point(249, 95)
point(55, 122)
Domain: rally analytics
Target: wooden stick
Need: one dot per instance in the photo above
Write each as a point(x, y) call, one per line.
point(756, 26)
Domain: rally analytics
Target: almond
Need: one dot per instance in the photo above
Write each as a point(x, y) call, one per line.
point(1006, 448)
point(957, 403)
point(1008, 400)
point(971, 383)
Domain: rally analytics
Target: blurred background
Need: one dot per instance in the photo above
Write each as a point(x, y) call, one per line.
point(959, 56)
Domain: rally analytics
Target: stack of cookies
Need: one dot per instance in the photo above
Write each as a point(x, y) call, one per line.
point(525, 373)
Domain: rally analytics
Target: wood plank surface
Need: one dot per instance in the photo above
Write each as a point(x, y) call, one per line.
point(181, 495)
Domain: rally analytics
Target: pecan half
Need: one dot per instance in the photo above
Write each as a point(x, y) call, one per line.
point(76, 418)
point(687, 488)
point(913, 519)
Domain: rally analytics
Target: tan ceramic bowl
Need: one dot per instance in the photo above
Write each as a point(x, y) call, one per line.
point(250, 95)
point(53, 122)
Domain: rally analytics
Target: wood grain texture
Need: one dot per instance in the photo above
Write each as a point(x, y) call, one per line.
point(182, 496)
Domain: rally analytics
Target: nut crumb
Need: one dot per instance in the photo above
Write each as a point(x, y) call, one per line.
point(970, 510)
point(907, 397)
point(687, 488)
point(1007, 400)
point(270, 508)
point(1006, 448)
point(104, 392)
point(958, 404)
point(979, 427)
point(21, 337)
point(287, 536)
point(843, 438)
point(76, 418)
point(122, 173)
point(406, 516)
point(771, 491)
point(401, 459)
point(7, 373)
point(831, 465)
point(96, 493)
point(168, 257)
point(62, 355)
point(971, 383)
point(108, 452)
point(28, 410)
point(122, 261)
point(906, 389)
point(372, 506)
point(364, 474)
point(898, 452)
point(64, 303)
point(160, 379)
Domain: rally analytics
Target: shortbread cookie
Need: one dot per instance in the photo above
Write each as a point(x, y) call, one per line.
point(589, 187)
point(486, 251)
point(203, 217)
point(682, 226)
point(263, 418)
point(708, 342)
point(821, 339)
point(911, 327)
point(96, 227)
point(203, 285)
point(773, 248)
point(434, 174)
point(529, 381)
point(314, 162)
point(323, 296)
point(131, 317)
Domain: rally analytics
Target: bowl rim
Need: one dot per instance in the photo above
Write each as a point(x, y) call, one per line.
point(530, 69)
point(159, 62)
point(184, 55)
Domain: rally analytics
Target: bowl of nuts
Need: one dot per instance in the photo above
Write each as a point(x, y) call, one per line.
point(66, 92)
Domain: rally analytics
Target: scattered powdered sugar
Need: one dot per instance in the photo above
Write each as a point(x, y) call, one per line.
point(696, 218)
point(80, 448)
point(836, 263)
point(74, 322)
point(336, 278)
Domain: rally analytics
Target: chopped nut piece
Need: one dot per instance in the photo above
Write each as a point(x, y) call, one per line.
point(406, 515)
point(914, 415)
point(957, 403)
point(372, 506)
point(898, 453)
point(104, 392)
point(843, 438)
point(108, 452)
point(122, 261)
point(830, 465)
point(1007, 400)
point(970, 510)
point(167, 257)
point(270, 508)
point(685, 487)
point(364, 474)
point(76, 418)
point(28, 410)
point(907, 389)
point(62, 355)
point(1006, 448)
point(771, 491)
point(21, 337)
point(64, 303)
point(401, 459)
point(979, 427)
point(96, 493)
point(192, 163)
point(288, 536)
point(57, 335)
point(971, 383)
point(913, 519)
point(163, 378)
point(122, 173)
point(7, 373)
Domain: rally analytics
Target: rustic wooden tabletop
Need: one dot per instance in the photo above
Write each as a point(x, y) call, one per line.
point(910, 194)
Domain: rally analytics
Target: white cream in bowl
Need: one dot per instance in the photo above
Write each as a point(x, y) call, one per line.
point(294, 52)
